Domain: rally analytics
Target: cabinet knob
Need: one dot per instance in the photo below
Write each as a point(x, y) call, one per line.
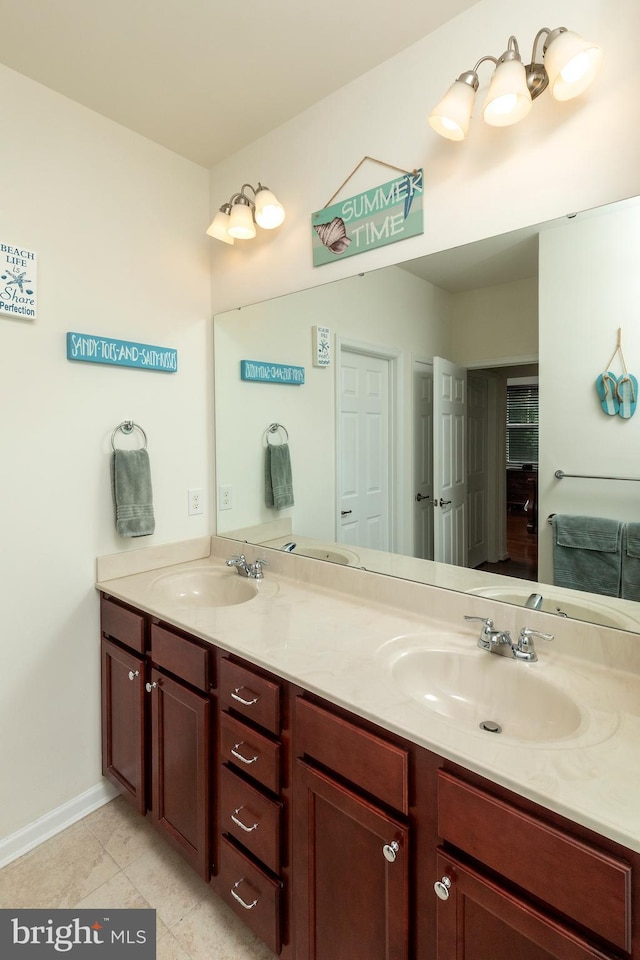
point(390, 851)
point(151, 686)
point(245, 703)
point(133, 674)
point(236, 896)
point(442, 888)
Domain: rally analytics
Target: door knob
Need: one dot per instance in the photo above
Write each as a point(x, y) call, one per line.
point(151, 686)
point(442, 888)
point(343, 513)
point(444, 503)
point(419, 497)
point(133, 674)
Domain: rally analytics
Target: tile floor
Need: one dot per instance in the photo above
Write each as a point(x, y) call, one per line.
point(114, 858)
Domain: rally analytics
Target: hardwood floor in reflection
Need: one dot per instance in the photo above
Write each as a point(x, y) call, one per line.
point(522, 547)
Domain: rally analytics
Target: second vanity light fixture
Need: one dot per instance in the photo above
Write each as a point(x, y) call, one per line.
point(236, 220)
point(568, 66)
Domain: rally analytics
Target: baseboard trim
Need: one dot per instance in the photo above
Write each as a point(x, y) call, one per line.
point(36, 832)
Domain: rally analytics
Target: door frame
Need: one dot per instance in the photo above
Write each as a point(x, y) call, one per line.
point(396, 470)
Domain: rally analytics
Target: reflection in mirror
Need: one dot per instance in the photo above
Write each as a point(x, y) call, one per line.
point(387, 473)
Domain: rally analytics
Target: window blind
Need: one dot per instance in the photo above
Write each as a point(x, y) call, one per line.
point(522, 423)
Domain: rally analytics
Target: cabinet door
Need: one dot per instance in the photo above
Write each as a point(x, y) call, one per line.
point(351, 902)
point(481, 920)
point(123, 722)
point(180, 768)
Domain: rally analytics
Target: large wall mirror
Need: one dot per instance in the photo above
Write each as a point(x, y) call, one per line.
point(398, 446)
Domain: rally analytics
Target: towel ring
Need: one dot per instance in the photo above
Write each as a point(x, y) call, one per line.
point(127, 427)
point(273, 428)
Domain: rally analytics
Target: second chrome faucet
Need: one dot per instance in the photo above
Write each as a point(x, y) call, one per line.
point(501, 643)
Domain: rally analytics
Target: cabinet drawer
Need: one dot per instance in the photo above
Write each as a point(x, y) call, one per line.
point(121, 624)
point(180, 656)
point(249, 694)
point(380, 768)
point(251, 817)
point(251, 894)
point(250, 751)
point(586, 884)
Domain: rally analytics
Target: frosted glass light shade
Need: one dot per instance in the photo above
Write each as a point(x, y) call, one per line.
point(451, 117)
point(218, 228)
point(269, 211)
point(572, 64)
point(241, 225)
point(508, 99)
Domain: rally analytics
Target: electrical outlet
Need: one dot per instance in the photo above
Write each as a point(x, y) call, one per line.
point(196, 502)
point(225, 498)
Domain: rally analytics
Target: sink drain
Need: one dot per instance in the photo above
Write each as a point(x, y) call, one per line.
point(490, 726)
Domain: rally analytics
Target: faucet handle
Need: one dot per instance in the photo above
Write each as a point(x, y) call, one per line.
point(526, 633)
point(488, 622)
point(236, 560)
point(525, 649)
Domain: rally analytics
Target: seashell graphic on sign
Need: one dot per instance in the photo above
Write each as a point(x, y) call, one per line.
point(333, 235)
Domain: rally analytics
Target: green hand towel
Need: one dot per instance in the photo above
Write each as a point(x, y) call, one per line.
point(278, 487)
point(631, 561)
point(587, 554)
point(132, 494)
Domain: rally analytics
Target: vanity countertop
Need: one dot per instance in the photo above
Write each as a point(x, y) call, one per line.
point(338, 642)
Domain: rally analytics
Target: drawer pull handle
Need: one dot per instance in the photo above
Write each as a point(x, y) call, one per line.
point(133, 674)
point(245, 703)
point(238, 822)
point(236, 896)
point(390, 851)
point(442, 888)
point(151, 686)
point(235, 753)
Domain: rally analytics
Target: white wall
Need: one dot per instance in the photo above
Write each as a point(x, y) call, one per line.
point(589, 287)
point(562, 157)
point(386, 308)
point(495, 323)
point(118, 225)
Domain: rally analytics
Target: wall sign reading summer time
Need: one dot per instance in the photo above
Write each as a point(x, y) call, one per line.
point(371, 219)
point(265, 372)
point(121, 353)
point(18, 282)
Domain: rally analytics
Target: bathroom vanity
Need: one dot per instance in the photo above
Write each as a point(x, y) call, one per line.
point(341, 820)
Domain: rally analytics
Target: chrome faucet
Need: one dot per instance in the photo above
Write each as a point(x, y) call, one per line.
point(289, 547)
point(534, 601)
point(500, 642)
point(245, 569)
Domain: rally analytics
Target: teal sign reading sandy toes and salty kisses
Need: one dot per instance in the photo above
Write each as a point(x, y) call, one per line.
point(121, 353)
point(264, 372)
point(371, 219)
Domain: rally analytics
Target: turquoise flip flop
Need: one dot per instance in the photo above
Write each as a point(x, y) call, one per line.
point(627, 394)
point(607, 387)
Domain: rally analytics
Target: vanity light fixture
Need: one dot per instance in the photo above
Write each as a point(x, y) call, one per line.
point(568, 66)
point(236, 219)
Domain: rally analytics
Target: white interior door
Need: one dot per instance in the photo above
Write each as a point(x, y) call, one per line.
point(449, 457)
point(423, 460)
point(364, 467)
point(477, 468)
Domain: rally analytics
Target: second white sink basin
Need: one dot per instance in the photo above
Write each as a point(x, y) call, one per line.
point(475, 687)
point(328, 553)
point(209, 587)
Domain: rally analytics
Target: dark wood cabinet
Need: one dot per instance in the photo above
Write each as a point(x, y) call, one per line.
point(327, 835)
point(351, 852)
point(180, 768)
point(157, 726)
point(351, 871)
point(123, 722)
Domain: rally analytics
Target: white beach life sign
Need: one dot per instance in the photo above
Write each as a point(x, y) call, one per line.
point(18, 282)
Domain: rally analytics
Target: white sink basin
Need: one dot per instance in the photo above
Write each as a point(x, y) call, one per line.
point(473, 687)
point(588, 609)
point(328, 553)
point(209, 587)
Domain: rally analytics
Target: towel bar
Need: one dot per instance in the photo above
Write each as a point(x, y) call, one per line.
point(560, 475)
point(127, 427)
